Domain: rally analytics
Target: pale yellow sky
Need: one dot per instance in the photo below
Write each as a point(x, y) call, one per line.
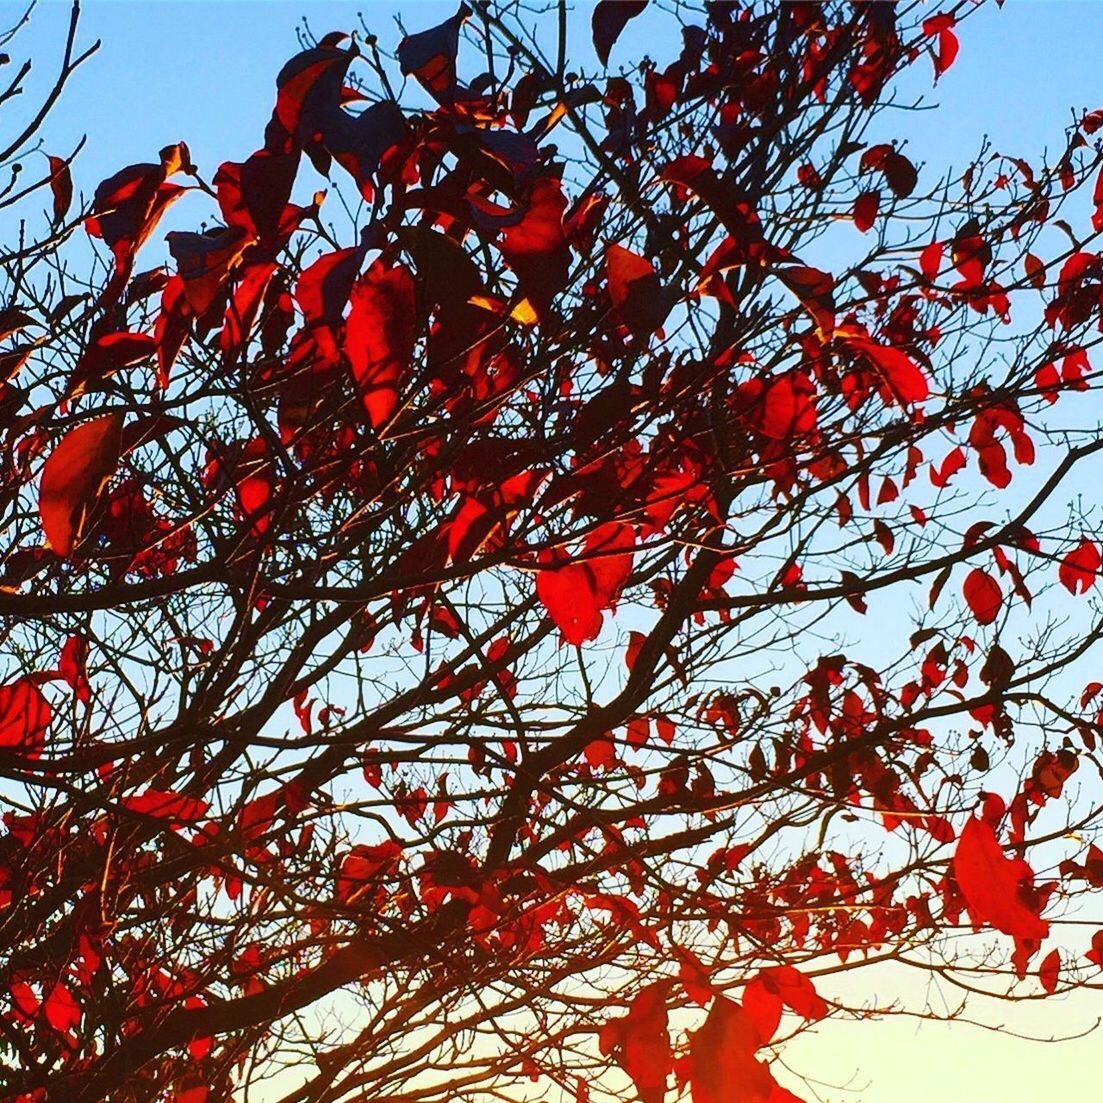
point(905, 1060)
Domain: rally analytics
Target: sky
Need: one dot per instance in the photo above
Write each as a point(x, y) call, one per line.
point(204, 72)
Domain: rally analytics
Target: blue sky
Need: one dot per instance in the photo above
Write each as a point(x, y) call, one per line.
point(205, 73)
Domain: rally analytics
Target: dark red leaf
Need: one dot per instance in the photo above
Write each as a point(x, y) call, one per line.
point(253, 194)
point(204, 262)
point(61, 186)
point(636, 292)
point(899, 172)
point(865, 209)
point(536, 245)
point(694, 976)
point(323, 289)
point(107, 355)
point(609, 20)
point(816, 292)
point(73, 476)
point(430, 56)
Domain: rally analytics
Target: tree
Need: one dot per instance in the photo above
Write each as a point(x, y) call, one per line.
point(433, 630)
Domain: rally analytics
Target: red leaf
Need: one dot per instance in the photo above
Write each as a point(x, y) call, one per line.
point(770, 989)
point(636, 292)
point(536, 248)
point(1078, 570)
point(107, 355)
point(1095, 954)
point(983, 594)
point(952, 464)
point(990, 881)
point(380, 335)
point(204, 262)
point(930, 260)
point(723, 1066)
point(899, 172)
point(172, 327)
point(241, 311)
point(640, 1042)
point(1049, 972)
point(609, 552)
point(61, 186)
point(323, 289)
point(1035, 271)
point(73, 477)
point(24, 717)
point(796, 990)
point(809, 177)
point(127, 207)
point(763, 1005)
point(1092, 121)
point(601, 753)
point(568, 595)
point(694, 976)
point(253, 485)
point(939, 25)
point(781, 407)
point(903, 380)
point(71, 666)
point(610, 18)
point(574, 594)
point(816, 292)
point(252, 194)
point(364, 867)
point(166, 806)
point(865, 209)
point(61, 1009)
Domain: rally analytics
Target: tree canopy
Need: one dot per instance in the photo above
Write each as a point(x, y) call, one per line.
point(573, 551)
